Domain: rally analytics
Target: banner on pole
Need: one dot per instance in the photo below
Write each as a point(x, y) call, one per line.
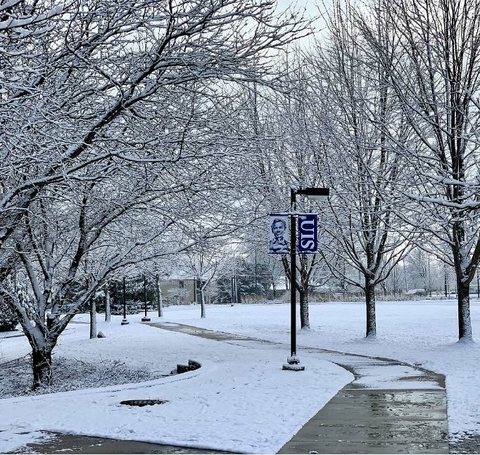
point(307, 233)
point(278, 234)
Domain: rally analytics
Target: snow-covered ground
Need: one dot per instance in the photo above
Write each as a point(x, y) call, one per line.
point(240, 400)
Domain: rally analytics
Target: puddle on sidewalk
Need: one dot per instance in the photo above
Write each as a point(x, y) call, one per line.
point(376, 421)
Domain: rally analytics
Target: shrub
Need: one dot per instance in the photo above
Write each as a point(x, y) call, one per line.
point(8, 318)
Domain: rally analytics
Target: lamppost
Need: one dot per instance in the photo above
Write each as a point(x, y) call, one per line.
point(159, 296)
point(124, 320)
point(316, 194)
point(145, 318)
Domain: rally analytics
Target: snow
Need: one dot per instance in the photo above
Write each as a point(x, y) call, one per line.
point(240, 400)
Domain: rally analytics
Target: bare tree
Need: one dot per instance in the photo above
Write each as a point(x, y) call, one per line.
point(107, 144)
point(288, 159)
point(94, 65)
point(435, 76)
point(358, 117)
point(203, 262)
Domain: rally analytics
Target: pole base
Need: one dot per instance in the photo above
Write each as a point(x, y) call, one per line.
point(145, 319)
point(293, 367)
point(293, 364)
point(124, 322)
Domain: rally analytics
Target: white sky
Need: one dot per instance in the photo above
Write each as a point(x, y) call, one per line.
point(310, 6)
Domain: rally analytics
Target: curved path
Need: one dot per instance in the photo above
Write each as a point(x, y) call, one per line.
point(390, 407)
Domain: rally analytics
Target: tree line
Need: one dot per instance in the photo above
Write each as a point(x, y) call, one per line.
point(383, 110)
point(134, 131)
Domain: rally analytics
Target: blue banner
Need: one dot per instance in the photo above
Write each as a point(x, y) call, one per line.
point(307, 234)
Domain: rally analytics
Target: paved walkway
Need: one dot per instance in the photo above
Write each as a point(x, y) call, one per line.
point(390, 407)
point(78, 444)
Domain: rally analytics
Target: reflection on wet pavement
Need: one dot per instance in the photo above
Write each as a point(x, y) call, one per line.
point(376, 421)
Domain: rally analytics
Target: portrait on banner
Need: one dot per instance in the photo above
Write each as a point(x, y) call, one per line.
point(279, 234)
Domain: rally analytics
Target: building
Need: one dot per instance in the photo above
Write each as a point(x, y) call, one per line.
point(180, 290)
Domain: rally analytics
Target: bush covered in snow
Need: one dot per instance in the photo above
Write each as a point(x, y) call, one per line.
point(69, 374)
point(8, 318)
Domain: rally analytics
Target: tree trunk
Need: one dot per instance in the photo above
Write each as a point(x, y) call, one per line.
point(93, 319)
point(42, 368)
point(302, 287)
point(159, 298)
point(370, 307)
point(108, 308)
point(464, 320)
point(304, 311)
point(202, 304)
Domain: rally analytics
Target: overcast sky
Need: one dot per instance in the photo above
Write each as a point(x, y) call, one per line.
point(310, 6)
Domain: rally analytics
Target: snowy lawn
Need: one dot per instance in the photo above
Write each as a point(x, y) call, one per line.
point(240, 400)
point(418, 332)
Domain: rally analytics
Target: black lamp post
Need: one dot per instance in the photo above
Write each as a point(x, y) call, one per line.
point(159, 296)
point(145, 318)
point(124, 320)
point(317, 194)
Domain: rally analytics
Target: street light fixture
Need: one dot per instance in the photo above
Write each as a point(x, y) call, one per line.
point(316, 194)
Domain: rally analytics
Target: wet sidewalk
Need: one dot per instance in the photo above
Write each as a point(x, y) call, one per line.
point(390, 407)
point(376, 421)
point(69, 443)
